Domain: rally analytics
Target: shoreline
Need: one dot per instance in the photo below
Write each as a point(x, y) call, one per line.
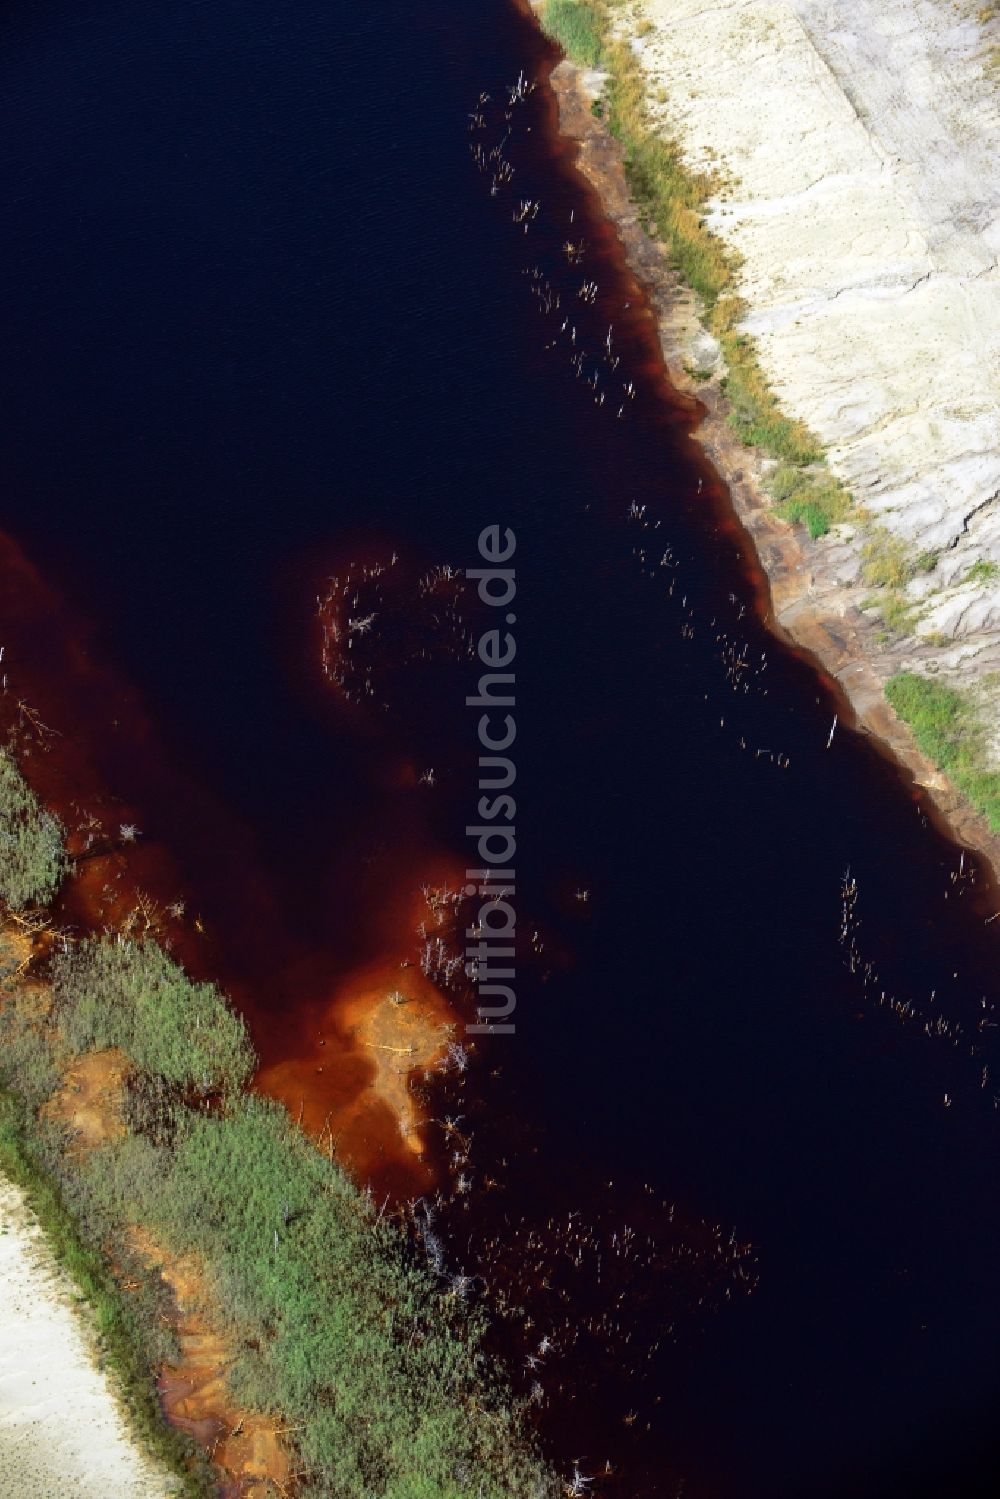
point(818, 618)
point(63, 1428)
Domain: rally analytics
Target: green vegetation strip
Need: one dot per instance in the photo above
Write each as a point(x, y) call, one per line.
point(948, 728)
point(673, 200)
point(361, 1344)
point(32, 859)
point(122, 1338)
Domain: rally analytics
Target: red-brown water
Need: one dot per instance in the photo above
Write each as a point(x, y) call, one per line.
point(265, 324)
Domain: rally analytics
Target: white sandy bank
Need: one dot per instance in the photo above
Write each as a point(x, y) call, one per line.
point(61, 1433)
point(864, 143)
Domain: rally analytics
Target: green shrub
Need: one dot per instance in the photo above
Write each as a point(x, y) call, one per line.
point(982, 787)
point(576, 26)
point(28, 1059)
point(982, 571)
point(132, 995)
point(33, 858)
point(809, 495)
point(811, 515)
point(754, 414)
point(943, 721)
point(785, 482)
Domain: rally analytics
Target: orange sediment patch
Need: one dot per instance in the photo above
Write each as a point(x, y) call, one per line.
point(244, 1445)
point(89, 1103)
point(384, 1024)
point(349, 1079)
point(406, 1028)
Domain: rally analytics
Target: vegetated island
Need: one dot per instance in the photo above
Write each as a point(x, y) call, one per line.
point(267, 1328)
point(811, 192)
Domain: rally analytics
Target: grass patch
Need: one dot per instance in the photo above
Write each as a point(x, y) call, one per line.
point(809, 495)
point(888, 564)
point(886, 560)
point(898, 614)
point(133, 996)
point(368, 1353)
point(33, 859)
point(577, 27)
point(943, 721)
point(948, 728)
point(982, 571)
point(810, 515)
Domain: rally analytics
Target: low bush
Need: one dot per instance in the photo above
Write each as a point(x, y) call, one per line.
point(809, 514)
point(809, 495)
point(132, 995)
point(33, 858)
point(898, 613)
point(30, 1058)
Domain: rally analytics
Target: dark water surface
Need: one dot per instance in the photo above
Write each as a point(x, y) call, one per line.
point(262, 316)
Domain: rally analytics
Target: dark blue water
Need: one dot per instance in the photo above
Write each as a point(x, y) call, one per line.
point(261, 314)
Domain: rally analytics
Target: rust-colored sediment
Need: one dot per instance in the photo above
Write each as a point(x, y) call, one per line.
point(797, 602)
point(382, 1026)
point(89, 1103)
point(244, 1446)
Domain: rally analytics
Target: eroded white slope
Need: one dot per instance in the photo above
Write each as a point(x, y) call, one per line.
point(863, 140)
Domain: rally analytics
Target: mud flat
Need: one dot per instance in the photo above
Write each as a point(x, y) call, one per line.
point(860, 188)
point(61, 1432)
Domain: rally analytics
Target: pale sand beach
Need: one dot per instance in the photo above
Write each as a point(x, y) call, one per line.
point(62, 1434)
